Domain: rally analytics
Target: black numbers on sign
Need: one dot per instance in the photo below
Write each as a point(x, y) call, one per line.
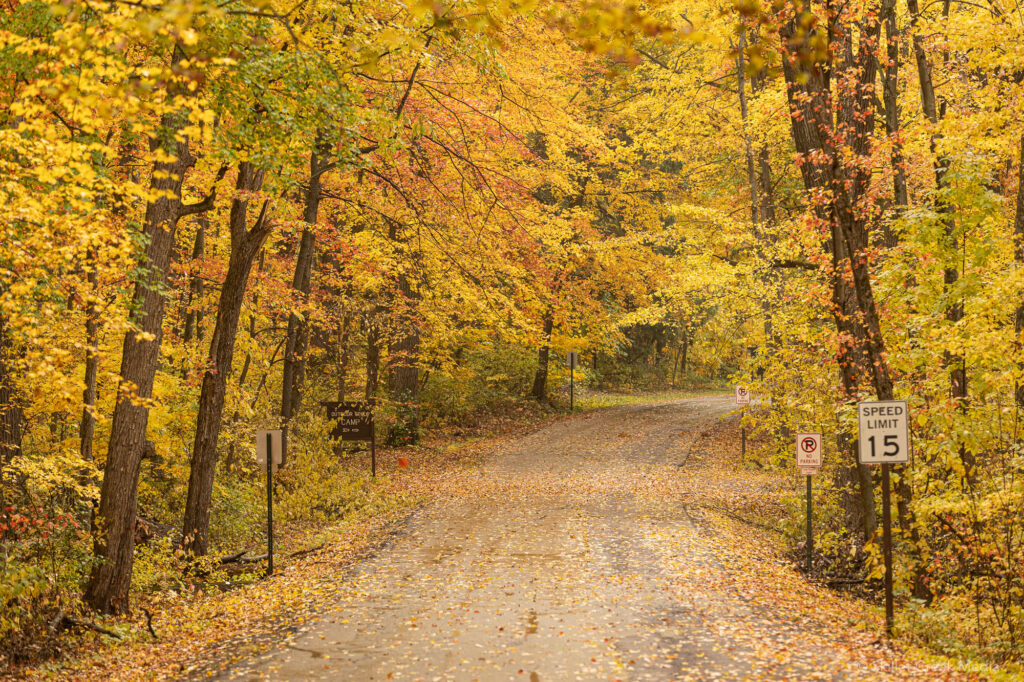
point(892, 446)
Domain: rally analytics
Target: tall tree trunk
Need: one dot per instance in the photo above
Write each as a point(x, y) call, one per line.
point(87, 426)
point(762, 196)
point(194, 311)
point(11, 412)
point(892, 116)
point(748, 148)
point(814, 132)
point(230, 460)
point(114, 543)
point(298, 328)
point(372, 353)
point(343, 358)
point(675, 364)
point(245, 245)
point(1018, 253)
point(344, 355)
point(403, 370)
point(955, 362)
point(540, 379)
point(11, 416)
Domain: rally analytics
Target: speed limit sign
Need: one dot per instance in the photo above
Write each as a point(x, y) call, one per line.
point(882, 429)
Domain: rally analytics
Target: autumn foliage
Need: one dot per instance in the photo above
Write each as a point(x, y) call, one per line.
point(218, 215)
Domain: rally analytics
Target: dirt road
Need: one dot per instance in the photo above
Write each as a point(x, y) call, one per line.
point(573, 553)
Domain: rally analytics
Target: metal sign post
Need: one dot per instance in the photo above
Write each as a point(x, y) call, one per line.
point(354, 422)
point(272, 456)
point(884, 438)
point(810, 529)
point(270, 506)
point(573, 359)
point(742, 399)
point(808, 458)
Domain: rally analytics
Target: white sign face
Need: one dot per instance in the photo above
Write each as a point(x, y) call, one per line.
point(808, 450)
point(275, 444)
point(742, 395)
point(882, 432)
point(808, 471)
point(573, 359)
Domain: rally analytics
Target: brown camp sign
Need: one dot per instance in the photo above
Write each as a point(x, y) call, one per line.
point(352, 420)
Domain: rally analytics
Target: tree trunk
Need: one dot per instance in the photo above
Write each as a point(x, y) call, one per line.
point(892, 117)
point(114, 543)
point(11, 415)
point(540, 379)
point(87, 427)
point(747, 146)
point(675, 364)
point(814, 133)
point(230, 460)
point(245, 245)
point(343, 357)
point(955, 362)
point(685, 352)
point(11, 412)
point(194, 311)
point(1018, 252)
point(372, 354)
point(403, 375)
point(298, 329)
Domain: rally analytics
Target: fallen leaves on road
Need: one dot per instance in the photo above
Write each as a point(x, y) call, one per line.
point(624, 544)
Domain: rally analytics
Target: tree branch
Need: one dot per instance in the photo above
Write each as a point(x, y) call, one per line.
point(207, 203)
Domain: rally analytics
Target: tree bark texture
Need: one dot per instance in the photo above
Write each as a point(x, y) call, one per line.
point(892, 116)
point(403, 370)
point(540, 379)
point(114, 543)
point(87, 426)
point(1018, 252)
point(298, 328)
point(955, 362)
point(861, 352)
point(194, 311)
point(372, 354)
point(245, 245)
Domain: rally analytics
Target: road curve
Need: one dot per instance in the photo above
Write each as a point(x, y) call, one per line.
point(572, 557)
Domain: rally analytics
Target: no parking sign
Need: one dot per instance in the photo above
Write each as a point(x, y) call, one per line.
point(808, 451)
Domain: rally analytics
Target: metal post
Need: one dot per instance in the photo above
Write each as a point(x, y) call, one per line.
point(810, 534)
point(887, 548)
point(373, 450)
point(571, 386)
point(270, 505)
point(743, 437)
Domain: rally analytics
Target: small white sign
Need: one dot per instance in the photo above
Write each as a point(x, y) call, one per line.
point(883, 436)
point(742, 395)
point(572, 358)
point(808, 471)
point(275, 444)
point(808, 450)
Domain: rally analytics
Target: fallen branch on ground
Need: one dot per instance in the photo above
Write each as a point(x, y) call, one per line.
point(304, 552)
point(62, 619)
